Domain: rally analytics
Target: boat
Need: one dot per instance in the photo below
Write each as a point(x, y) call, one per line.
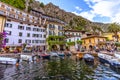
point(53, 54)
point(104, 58)
point(61, 55)
point(7, 60)
point(25, 57)
point(114, 62)
point(45, 56)
point(88, 58)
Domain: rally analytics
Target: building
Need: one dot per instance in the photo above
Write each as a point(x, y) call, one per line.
point(55, 34)
point(93, 40)
point(2, 22)
point(54, 27)
point(73, 35)
point(111, 36)
point(72, 38)
point(22, 27)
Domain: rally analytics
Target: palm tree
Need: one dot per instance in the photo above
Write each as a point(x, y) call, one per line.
point(114, 28)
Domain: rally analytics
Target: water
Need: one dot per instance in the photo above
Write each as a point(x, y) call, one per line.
point(27, 71)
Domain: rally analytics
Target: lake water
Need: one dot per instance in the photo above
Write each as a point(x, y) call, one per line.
point(27, 71)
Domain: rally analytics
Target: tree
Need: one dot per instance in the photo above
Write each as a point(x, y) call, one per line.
point(80, 23)
point(42, 5)
point(114, 28)
point(16, 3)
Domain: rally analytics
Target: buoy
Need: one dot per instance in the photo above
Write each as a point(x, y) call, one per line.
point(17, 64)
point(37, 60)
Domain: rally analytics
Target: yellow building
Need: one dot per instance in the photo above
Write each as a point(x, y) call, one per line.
point(110, 36)
point(2, 22)
point(92, 41)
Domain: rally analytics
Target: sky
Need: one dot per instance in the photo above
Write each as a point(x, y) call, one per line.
point(105, 11)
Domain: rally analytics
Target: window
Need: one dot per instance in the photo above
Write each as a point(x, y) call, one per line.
point(73, 34)
point(7, 40)
point(8, 25)
point(69, 40)
point(20, 41)
point(98, 40)
point(44, 36)
point(84, 41)
point(20, 27)
point(28, 28)
point(89, 40)
point(28, 34)
point(32, 41)
point(20, 33)
point(34, 29)
point(40, 35)
point(10, 32)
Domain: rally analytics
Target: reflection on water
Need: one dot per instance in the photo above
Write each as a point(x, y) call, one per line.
point(27, 71)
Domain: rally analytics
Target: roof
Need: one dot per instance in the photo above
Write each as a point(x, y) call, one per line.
point(93, 36)
point(74, 31)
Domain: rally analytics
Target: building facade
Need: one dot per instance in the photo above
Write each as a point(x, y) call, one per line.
point(55, 28)
point(93, 41)
point(2, 22)
point(111, 36)
point(73, 35)
point(22, 27)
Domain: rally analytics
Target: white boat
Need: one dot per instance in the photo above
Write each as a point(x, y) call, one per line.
point(117, 55)
point(26, 57)
point(113, 61)
point(6, 60)
point(88, 58)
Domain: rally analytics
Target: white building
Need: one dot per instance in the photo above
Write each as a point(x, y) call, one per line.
point(23, 28)
point(23, 33)
point(73, 35)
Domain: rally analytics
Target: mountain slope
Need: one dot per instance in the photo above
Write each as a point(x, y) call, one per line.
point(73, 21)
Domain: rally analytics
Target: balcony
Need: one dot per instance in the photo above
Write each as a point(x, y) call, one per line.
point(12, 15)
point(2, 12)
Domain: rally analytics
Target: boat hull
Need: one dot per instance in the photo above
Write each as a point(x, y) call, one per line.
point(8, 61)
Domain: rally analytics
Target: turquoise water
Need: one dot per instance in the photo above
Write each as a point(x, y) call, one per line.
point(27, 71)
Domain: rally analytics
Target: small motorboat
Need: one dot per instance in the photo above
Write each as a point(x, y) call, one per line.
point(113, 61)
point(104, 58)
point(115, 65)
point(7, 60)
point(88, 58)
point(61, 55)
point(54, 54)
point(26, 57)
point(45, 56)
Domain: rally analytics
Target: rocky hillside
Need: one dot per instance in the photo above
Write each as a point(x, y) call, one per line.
point(73, 21)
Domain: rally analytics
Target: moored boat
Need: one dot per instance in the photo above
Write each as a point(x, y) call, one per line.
point(26, 57)
point(45, 56)
point(7, 60)
point(113, 61)
point(88, 58)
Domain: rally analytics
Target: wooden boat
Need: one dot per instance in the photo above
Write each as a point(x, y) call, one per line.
point(80, 55)
point(7, 60)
